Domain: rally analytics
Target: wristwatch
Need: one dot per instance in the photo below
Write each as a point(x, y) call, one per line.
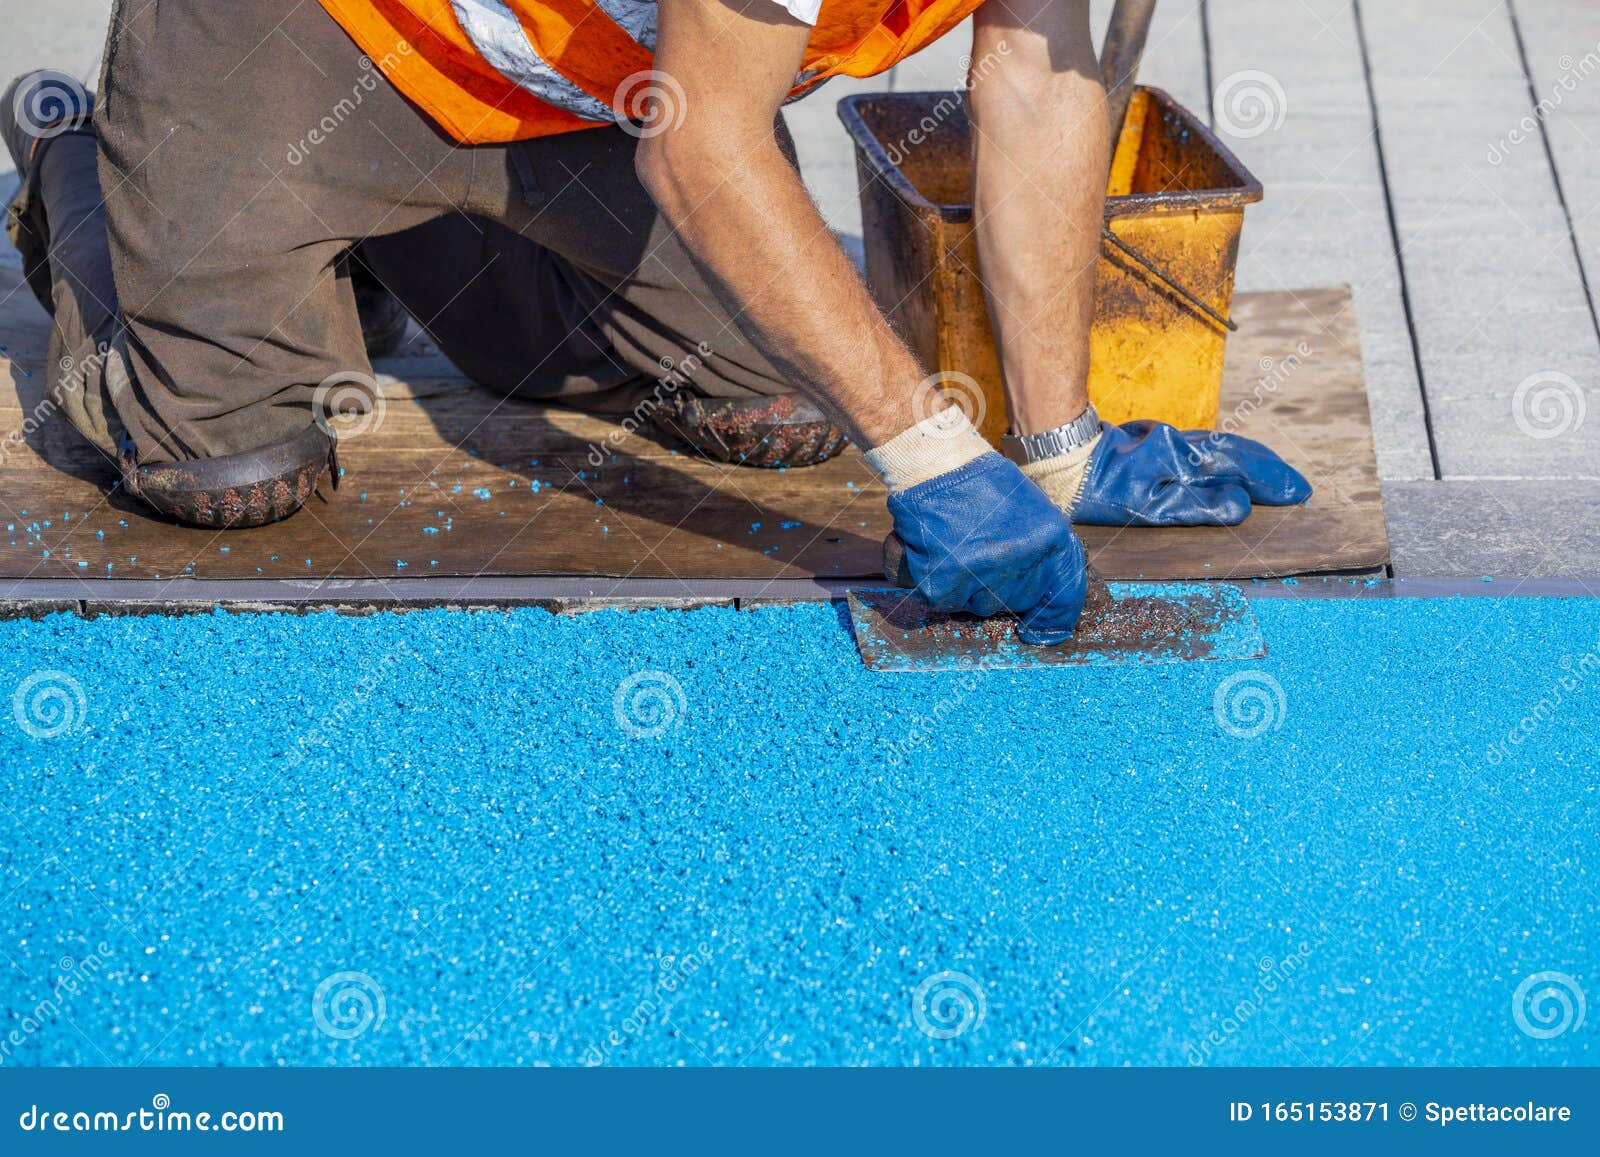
point(1025, 448)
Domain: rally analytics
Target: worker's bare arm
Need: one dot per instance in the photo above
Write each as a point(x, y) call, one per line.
point(721, 181)
point(1040, 151)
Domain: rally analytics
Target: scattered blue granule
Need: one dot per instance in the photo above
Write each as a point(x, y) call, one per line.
point(83, 565)
point(599, 501)
point(433, 562)
point(1487, 579)
point(627, 481)
point(850, 485)
point(533, 461)
point(308, 562)
point(67, 517)
point(97, 534)
point(224, 550)
point(1291, 582)
point(791, 525)
point(581, 474)
point(754, 526)
point(274, 558)
point(363, 496)
point(605, 530)
point(400, 564)
point(120, 521)
point(132, 558)
point(47, 554)
point(481, 493)
point(430, 530)
point(456, 489)
point(535, 485)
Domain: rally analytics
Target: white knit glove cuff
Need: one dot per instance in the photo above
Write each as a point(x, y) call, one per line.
point(1062, 476)
point(936, 445)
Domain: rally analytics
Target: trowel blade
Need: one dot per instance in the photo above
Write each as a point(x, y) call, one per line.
point(1140, 623)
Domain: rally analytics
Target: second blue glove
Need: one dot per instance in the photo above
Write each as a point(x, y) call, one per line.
point(1152, 474)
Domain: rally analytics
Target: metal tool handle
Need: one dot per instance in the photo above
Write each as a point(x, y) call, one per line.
point(1119, 58)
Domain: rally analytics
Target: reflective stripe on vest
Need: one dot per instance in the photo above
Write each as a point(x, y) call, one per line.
point(497, 34)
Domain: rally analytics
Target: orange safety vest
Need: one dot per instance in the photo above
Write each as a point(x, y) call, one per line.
point(491, 71)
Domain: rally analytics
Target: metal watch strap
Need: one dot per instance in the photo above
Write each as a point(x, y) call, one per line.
point(1025, 448)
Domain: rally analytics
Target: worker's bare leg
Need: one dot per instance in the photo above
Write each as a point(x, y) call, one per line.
point(1039, 131)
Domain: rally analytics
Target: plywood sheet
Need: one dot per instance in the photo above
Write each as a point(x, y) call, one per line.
point(457, 481)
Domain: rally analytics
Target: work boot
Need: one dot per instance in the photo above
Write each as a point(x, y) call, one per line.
point(236, 490)
point(781, 431)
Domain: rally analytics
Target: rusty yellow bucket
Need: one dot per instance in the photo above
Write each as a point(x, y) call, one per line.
point(1174, 211)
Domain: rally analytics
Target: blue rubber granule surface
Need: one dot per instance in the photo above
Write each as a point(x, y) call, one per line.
point(713, 837)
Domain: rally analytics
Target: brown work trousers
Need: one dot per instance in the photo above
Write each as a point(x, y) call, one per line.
point(198, 278)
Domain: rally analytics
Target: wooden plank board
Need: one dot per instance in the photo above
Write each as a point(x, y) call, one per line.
point(1323, 220)
point(456, 481)
point(1495, 286)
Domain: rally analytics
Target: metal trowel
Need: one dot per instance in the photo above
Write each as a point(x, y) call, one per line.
point(1122, 623)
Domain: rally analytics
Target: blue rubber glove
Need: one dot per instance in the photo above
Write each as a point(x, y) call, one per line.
point(984, 539)
point(1152, 474)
